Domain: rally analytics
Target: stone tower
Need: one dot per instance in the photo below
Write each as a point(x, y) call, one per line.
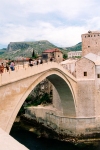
point(91, 43)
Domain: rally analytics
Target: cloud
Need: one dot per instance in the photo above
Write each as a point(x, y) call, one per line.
point(61, 36)
point(60, 22)
point(93, 23)
point(66, 7)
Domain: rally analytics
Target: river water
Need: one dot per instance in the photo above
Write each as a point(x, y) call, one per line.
point(32, 142)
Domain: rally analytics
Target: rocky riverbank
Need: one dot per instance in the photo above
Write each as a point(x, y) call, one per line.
point(37, 128)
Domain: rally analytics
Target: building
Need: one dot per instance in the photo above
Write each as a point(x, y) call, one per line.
point(74, 54)
point(91, 43)
point(87, 67)
point(52, 55)
point(87, 86)
point(70, 65)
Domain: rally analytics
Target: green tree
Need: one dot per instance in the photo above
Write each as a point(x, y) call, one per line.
point(65, 56)
point(33, 54)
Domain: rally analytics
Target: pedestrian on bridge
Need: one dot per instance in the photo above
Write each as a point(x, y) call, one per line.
point(7, 67)
point(12, 66)
point(1, 68)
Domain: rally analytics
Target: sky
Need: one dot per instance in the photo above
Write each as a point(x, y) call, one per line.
point(61, 22)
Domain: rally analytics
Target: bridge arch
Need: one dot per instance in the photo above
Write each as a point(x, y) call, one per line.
point(66, 94)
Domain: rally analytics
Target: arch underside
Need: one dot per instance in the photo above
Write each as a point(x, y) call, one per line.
point(66, 102)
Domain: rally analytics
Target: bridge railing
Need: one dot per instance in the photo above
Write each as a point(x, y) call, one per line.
point(24, 71)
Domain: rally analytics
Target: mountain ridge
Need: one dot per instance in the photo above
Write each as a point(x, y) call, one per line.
point(25, 48)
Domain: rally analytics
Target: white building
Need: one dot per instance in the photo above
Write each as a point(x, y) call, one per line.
point(74, 54)
point(69, 64)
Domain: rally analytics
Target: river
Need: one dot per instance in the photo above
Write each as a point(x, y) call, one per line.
point(32, 142)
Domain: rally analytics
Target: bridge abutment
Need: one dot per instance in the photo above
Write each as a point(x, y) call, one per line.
point(86, 98)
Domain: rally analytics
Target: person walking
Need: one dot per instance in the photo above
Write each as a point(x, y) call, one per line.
point(7, 67)
point(41, 62)
point(37, 62)
point(1, 68)
point(12, 66)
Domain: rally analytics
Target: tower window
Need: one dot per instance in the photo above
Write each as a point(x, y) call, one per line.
point(85, 36)
point(85, 73)
point(94, 35)
point(98, 75)
point(88, 46)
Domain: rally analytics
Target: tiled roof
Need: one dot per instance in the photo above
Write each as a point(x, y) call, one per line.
point(51, 50)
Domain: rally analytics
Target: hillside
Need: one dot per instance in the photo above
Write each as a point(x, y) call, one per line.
point(77, 47)
point(25, 49)
point(2, 51)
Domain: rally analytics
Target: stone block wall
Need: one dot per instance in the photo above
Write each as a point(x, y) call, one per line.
point(91, 43)
point(63, 124)
point(85, 65)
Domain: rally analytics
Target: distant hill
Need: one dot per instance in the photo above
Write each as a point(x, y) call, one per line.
point(25, 49)
point(3, 50)
point(37, 45)
point(77, 47)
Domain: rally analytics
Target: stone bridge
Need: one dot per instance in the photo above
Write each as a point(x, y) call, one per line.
point(74, 105)
point(16, 85)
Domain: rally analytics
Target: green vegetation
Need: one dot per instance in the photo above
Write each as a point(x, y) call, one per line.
point(28, 99)
point(65, 56)
point(25, 49)
point(2, 51)
point(34, 55)
point(33, 49)
point(77, 57)
point(77, 47)
point(45, 99)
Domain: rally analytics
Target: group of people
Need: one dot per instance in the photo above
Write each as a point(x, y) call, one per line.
point(35, 62)
point(10, 65)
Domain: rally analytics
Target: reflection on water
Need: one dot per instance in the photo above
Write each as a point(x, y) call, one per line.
point(31, 141)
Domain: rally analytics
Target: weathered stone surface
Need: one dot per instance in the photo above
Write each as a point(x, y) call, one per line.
point(9, 143)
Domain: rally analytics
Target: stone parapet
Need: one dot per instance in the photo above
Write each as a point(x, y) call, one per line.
point(65, 125)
